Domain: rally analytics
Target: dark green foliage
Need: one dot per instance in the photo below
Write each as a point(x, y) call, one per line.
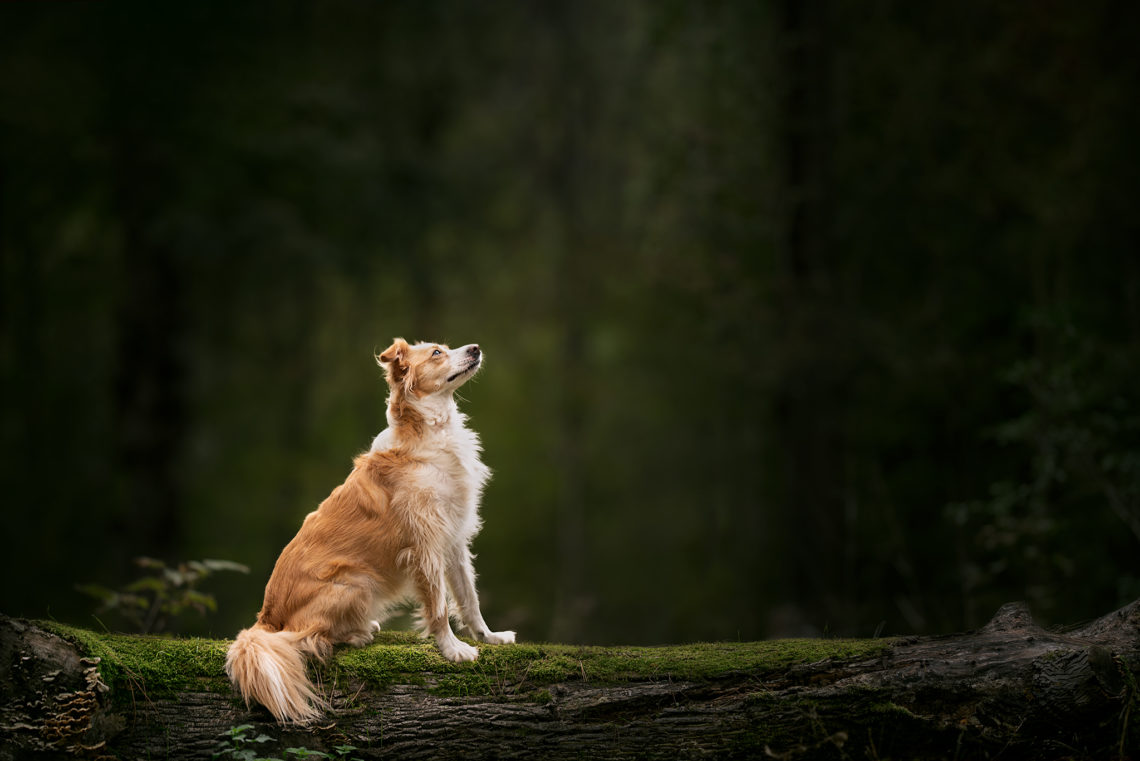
point(238, 744)
point(764, 288)
point(1078, 436)
point(162, 593)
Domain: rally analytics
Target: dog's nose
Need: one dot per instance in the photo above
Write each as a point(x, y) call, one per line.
point(473, 350)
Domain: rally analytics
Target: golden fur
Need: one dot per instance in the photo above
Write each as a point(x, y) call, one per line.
point(400, 525)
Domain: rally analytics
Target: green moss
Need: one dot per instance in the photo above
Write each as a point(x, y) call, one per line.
point(152, 665)
point(554, 668)
point(385, 664)
point(703, 660)
point(524, 670)
point(159, 665)
point(892, 709)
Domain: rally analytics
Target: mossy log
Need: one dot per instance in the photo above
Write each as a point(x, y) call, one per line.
point(1011, 690)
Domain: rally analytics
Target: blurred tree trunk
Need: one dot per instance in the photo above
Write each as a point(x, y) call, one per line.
point(806, 69)
point(808, 404)
point(149, 404)
point(1011, 689)
point(149, 407)
point(572, 294)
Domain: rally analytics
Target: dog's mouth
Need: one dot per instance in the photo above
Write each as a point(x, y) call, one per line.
point(471, 367)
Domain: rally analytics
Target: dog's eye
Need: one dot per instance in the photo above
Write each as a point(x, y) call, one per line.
point(436, 353)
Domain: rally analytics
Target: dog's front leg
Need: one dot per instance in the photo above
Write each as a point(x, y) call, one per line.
point(461, 579)
point(433, 596)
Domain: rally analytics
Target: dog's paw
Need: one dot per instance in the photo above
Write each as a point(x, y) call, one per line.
point(459, 651)
point(365, 637)
point(499, 638)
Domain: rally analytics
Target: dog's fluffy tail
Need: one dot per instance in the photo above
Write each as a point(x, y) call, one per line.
point(269, 667)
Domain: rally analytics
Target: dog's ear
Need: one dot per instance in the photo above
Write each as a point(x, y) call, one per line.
point(394, 359)
point(397, 353)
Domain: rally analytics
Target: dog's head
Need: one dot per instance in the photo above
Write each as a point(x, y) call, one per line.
point(425, 368)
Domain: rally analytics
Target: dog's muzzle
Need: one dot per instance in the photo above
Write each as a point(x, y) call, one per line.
point(474, 358)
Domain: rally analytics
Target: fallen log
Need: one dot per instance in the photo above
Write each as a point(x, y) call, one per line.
point(1011, 690)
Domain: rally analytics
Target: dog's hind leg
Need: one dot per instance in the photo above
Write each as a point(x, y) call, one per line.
point(461, 579)
point(346, 609)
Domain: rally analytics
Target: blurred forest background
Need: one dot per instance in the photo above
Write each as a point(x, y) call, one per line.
point(801, 317)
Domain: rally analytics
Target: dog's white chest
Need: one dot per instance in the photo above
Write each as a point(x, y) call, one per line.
point(462, 475)
point(451, 475)
point(459, 472)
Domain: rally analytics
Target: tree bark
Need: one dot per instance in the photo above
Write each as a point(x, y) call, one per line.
point(1011, 690)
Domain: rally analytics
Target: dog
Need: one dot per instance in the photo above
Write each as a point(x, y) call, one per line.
point(399, 527)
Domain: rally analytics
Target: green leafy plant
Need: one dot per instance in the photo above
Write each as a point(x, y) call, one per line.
point(162, 593)
point(238, 743)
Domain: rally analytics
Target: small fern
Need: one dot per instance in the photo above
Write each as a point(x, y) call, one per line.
point(163, 592)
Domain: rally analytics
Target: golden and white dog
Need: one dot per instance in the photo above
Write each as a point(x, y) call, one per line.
point(399, 526)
